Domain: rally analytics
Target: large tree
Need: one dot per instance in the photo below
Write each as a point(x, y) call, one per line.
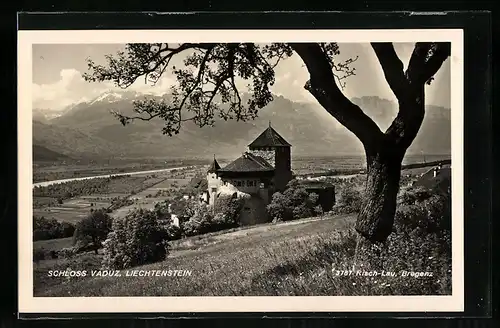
point(208, 87)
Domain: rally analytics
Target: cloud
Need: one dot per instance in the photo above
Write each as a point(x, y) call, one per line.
point(291, 75)
point(71, 88)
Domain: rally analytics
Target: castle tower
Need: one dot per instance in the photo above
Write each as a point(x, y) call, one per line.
point(277, 151)
point(213, 181)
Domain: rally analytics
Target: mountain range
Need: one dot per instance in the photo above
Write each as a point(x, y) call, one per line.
point(89, 130)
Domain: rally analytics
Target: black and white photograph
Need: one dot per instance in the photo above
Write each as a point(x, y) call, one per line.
point(286, 170)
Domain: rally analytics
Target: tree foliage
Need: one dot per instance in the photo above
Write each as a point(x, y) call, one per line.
point(227, 209)
point(44, 228)
point(350, 200)
point(91, 231)
point(294, 203)
point(139, 238)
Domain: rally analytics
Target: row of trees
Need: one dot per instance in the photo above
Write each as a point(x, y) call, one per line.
point(75, 188)
point(125, 184)
point(44, 228)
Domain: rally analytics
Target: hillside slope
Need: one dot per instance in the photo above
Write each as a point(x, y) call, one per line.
point(72, 142)
point(42, 154)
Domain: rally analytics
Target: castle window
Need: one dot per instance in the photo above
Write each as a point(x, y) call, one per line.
point(250, 183)
point(238, 183)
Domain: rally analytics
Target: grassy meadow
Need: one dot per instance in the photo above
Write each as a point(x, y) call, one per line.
point(234, 263)
point(286, 259)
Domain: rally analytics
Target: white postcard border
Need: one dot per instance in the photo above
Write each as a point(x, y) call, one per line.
point(30, 304)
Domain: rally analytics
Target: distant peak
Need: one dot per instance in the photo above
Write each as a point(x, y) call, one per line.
point(108, 96)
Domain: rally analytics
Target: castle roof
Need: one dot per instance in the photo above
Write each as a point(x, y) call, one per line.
point(248, 162)
point(214, 167)
point(269, 138)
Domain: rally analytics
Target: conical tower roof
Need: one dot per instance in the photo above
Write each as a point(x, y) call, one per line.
point(214, 167)
point(269, 138)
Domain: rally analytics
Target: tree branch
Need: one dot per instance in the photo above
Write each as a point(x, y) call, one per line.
point(392, 67)
point(440, 51)
point(425, 61)
point(199, 76)
point(323, 87)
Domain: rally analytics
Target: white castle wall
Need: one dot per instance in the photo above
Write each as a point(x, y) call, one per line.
point(214, 183)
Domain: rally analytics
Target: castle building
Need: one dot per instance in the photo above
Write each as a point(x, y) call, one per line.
point(277, 151)
point(262, 170)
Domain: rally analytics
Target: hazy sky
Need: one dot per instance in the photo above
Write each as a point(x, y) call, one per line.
point(57, 80)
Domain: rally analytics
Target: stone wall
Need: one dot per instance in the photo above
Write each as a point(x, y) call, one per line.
point(268, 155)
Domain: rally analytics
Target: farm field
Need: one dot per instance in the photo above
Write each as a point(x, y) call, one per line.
point(144, 190)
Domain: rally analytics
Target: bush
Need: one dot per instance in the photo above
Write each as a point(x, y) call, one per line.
point(432, 215)
point(294, 203)
point(199, 223)
point(92, 231)
point(44, 229)
point(350, 200)
point(318, 210)
point(137, 239)
point(413, 195)
point(38, 255)
point(174, 232)
point(67, 252)
point(183, 208)
point(280, 208)
point(421, 242)
point(227, 210)
point(164, 218)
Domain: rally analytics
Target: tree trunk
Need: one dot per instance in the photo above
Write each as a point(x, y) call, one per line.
point(384, 150)
point(376, 215)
